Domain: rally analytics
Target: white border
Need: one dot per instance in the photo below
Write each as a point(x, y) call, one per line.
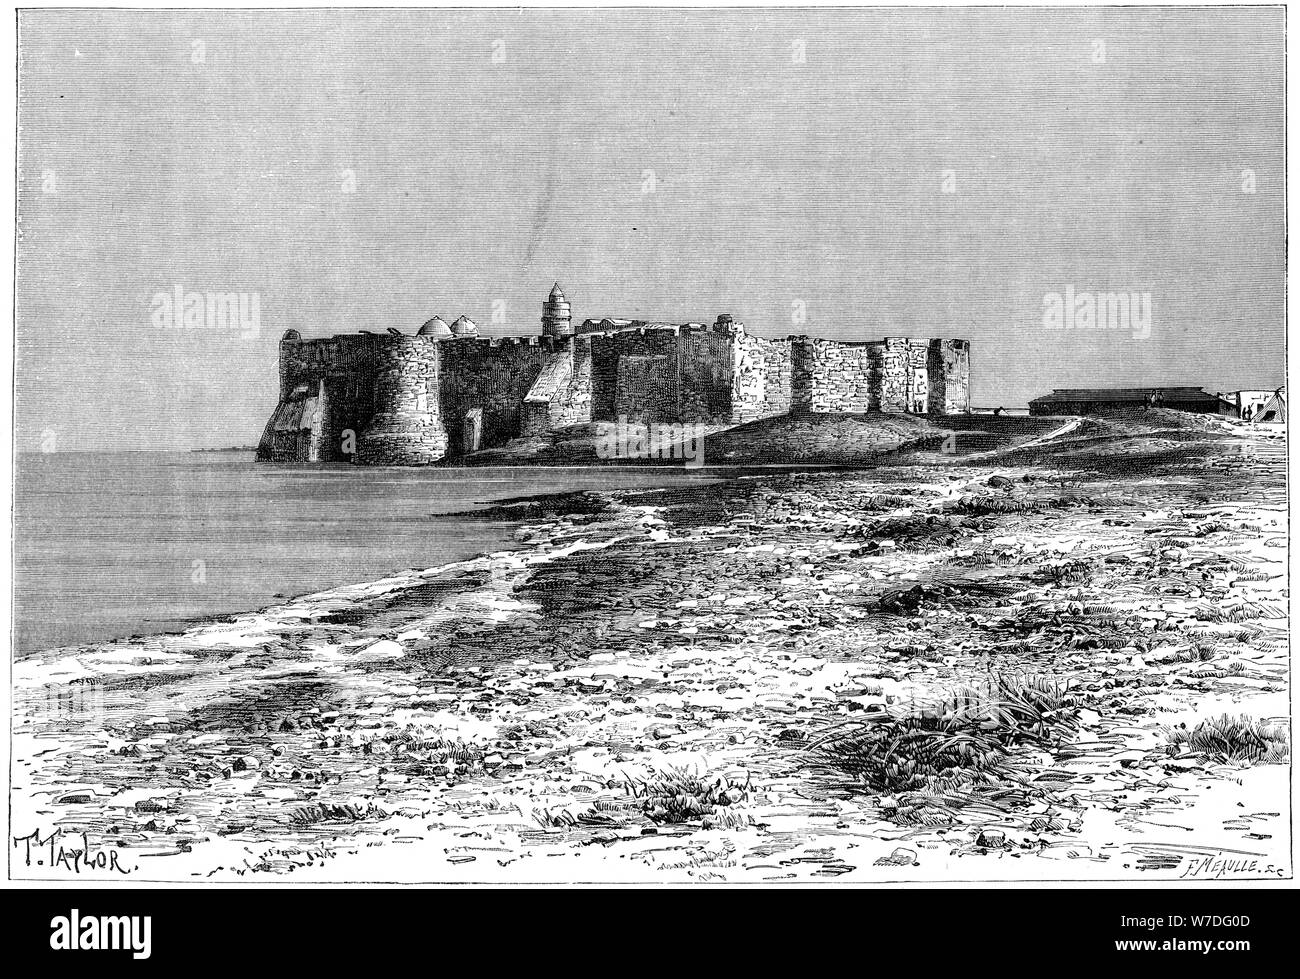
point(7, 124)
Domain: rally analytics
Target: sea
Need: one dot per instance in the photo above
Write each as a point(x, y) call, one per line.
point(114, 544)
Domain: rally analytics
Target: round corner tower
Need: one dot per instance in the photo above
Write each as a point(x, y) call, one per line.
point(557, 320)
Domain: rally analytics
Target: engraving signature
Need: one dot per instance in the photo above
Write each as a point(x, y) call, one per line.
point(1218, 866)
point(68, 851)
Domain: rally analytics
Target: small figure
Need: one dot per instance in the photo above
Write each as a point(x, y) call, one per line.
point(997, 410)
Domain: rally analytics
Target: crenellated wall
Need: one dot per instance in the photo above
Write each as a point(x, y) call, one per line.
point(495, 376)
point(398, 399)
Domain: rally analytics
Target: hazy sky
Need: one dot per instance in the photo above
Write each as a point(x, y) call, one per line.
point(215, 151)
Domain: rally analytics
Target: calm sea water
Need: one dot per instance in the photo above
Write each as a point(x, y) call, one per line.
point(116, 544)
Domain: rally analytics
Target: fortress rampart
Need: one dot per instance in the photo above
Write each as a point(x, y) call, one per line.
point(400, 399)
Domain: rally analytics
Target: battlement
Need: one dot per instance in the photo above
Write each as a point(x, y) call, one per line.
point(404, 399)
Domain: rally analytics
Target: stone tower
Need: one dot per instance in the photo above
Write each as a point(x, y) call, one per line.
point(557, 321)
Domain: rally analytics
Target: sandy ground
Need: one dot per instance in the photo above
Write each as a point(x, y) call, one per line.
point(647, 690)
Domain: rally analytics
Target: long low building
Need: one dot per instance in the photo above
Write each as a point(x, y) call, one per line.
point(1089, 401)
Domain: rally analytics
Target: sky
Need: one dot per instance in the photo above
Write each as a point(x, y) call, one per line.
point(852, 174)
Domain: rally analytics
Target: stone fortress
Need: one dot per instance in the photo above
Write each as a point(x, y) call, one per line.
point(444, 392)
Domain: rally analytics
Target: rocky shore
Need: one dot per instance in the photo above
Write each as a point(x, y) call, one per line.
point(1066, 661)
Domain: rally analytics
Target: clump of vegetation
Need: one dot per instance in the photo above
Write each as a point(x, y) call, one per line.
point(1233, 740)
point(1197, 652)
point(600, 815)
point(954, 592)
point(1064, 572)
point(335, 812)
point(675, 795)
point(998, 504)
point(911, 532)
point(963, 740)
point(883, 502)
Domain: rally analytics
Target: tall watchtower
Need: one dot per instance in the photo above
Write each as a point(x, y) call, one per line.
point(557, 320)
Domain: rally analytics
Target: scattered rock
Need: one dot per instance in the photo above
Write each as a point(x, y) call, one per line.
point(901, 857)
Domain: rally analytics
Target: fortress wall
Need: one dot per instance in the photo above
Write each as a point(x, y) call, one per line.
point(760, 377)
point(326, 390)
point(546, 394)
point(572, 406)
point(706, 375)
point(398, 399)
point(949, 370)
point(917, 376)
point(407, 426)
point(494, 376)
point(893, 375)
point(828, 376)
point(561, 395)
point(636, 374)
point(604, 377)
point(914, 377)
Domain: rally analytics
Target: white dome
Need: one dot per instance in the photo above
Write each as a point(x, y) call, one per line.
point(435, 328)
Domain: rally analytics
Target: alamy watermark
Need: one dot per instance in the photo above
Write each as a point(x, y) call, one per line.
point(92, 932)
point(631, 440)
point(212, 312)
point(1071, 310)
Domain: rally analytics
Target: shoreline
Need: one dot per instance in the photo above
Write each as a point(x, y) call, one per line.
point(700, 642)
point(109, 551)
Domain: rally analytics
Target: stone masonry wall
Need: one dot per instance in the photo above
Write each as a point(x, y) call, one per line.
point(760, 377)
point(337, 375)
point(706, 372)
point(494, 375)
point(949, 369)
point(407, 427)
point(636, 374)
point(548, 394)
point(916, 377)
point(893, 375)
point(561, 395)
point(573, 406)
point(410, 400)
point(827, 376)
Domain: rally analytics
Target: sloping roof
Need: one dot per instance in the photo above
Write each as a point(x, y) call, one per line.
point(293, 415)
point(1276, 406)
point(1127, 394)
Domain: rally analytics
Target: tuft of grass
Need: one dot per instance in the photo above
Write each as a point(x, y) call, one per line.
point(1240, 740)
point(335, 812)
point(963, 740)
point(1198, 652)
point(600, 815)
point(675, 795)
point(912, 532)
point(1064, 573)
